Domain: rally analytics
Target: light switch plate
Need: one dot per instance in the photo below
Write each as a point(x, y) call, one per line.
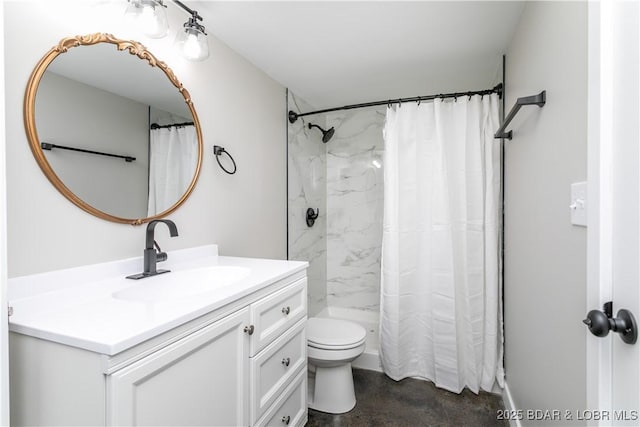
point(578, 204)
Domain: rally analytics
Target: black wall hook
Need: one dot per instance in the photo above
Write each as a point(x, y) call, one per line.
point(312, 216)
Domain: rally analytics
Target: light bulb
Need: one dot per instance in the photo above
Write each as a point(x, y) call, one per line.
point(153, 19)
point(132, 13)
point(191, 47)
point(149, 16)
point(192, 42)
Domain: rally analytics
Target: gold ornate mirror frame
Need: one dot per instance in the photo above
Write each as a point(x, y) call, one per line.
point(141, 52)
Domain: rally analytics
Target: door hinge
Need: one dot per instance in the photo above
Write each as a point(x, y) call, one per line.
point(10, 311)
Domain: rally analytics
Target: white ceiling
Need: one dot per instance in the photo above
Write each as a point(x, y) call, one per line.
point(334, 53)
point(104, 66)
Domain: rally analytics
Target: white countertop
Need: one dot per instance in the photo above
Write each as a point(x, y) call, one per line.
point(83, 307)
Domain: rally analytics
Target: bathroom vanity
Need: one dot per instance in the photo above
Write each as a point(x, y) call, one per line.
point(217, 341)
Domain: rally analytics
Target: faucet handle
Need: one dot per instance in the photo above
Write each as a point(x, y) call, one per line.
point(160, 256)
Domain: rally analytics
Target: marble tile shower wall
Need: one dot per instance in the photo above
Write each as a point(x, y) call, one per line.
point(342, 178)
point(307, 189)
point(355, 207)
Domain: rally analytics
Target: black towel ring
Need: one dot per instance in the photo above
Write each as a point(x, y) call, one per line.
point(217, 150)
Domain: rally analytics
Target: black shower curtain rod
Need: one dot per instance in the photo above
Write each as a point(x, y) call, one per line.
point(157, 126)
point(293, 116)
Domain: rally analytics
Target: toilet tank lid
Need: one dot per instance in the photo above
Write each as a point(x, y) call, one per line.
point(334, 332)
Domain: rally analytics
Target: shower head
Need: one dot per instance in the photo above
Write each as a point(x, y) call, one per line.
point(326, 134)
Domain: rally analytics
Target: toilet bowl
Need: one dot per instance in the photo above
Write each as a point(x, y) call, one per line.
point(332, 345)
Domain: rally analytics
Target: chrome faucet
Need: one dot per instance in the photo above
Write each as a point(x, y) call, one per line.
point(152, 252)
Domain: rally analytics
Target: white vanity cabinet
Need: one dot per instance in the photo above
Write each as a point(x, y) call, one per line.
point(201, 380)
point(242, 364)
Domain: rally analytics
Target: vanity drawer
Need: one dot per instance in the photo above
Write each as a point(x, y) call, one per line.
point(274, 368)
point(291, 408)
point(276, 313)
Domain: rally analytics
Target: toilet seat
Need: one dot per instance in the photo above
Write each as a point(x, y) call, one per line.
point(334, 334)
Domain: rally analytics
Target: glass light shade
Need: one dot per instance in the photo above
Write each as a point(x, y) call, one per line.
point(193, 44)
point(149, 16)
point(132, 13)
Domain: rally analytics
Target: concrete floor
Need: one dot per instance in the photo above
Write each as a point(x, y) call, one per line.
point(382, 401)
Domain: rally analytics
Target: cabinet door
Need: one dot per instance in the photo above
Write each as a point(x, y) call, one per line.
point(199, 380)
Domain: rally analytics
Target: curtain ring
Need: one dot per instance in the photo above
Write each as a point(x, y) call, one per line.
point(389, 104)
point(400, 102)
point(419, 101)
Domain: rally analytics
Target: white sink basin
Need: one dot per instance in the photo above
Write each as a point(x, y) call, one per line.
point(180, 285)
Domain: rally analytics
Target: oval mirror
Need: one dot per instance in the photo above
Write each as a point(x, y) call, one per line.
point(113, 129)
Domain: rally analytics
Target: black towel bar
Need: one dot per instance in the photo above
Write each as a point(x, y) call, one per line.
point(49, 146)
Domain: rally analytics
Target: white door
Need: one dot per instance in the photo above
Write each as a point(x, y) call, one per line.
point(201, 380)
point(613, 379)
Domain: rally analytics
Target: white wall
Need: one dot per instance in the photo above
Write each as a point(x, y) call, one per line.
point(239, 107)
point(545, 256)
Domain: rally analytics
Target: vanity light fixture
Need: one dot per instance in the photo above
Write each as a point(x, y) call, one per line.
point(192, 40)
point(151, 17)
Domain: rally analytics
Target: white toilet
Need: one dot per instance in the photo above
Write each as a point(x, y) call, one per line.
point(332, 345)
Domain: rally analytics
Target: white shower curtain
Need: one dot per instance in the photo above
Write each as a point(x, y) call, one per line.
point(441, 301)
point(173, 157)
